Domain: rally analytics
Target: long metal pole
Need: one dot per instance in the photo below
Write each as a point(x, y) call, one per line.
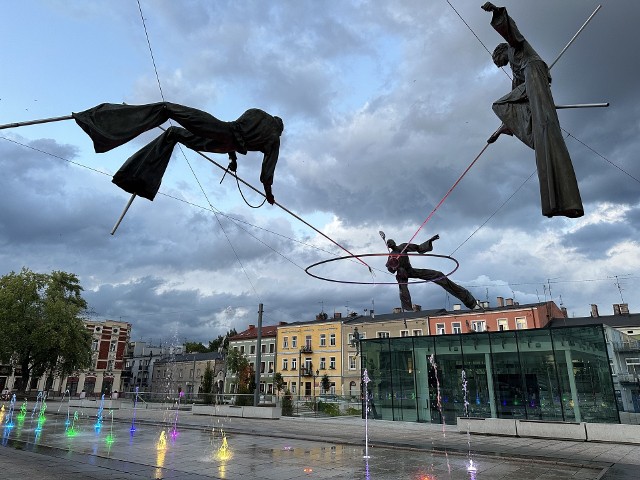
point(575, 36)
point(583, 105)
point(256, 393)
point(124, 212)
point(35, 122)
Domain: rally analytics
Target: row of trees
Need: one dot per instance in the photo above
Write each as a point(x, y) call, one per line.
point(219, 344)
point(41, 327)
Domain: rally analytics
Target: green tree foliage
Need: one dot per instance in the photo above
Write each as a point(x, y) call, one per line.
point(325, 383)
point(279, 382)
point(222, 342)
point(239, 366)
point(207, 384)
point(41, 324)
point(287, 404)
point(195, 347)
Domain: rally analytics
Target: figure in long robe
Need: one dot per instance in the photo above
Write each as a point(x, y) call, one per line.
point(111, 125)
point(399, 264)
point(529, 113)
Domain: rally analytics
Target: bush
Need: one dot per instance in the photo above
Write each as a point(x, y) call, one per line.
point(331, 409)
point(287, 404)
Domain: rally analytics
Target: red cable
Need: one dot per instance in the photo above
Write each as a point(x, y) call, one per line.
point(444, 198)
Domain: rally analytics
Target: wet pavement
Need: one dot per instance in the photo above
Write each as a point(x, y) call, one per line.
point(199, 447)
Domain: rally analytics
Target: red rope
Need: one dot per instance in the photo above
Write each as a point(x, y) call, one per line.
point(446, 195)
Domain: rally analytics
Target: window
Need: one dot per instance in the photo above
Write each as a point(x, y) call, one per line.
point(332, 340)
point(261, 367)
point(382, 334)
point(417, 333)
point(235, 349)
point(263, 348)
point(323, 340)
point(242, 349)
point(632, 361)
point(521, 323)
point(307, 364)
point(294, 364)
point(253, 349)
point(353, 365)
point(307, 341)
point(332, 363)
point(110, 364)
point(112, 347)
point(478, 325)
point(285, 342)
point(404, 333)
point(95, 345)
point(456, 327)
point(270, 367)
point(272, 347)
point(440, 329)
point(503, 324)
point(293, 387)
point(115, 330)
point(323, 363)
point(294, 342)
point(285, 364)
point(332, 388)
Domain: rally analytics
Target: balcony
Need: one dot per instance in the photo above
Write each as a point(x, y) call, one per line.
point(306, 372)
point(628, 378)
point(627, 347)
point(306, 349)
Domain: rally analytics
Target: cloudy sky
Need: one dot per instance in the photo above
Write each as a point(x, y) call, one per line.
point(385, 104)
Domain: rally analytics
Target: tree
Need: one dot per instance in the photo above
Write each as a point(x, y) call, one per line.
point(207, 384)
point(195, 347)
point(325, 383)
point(287, 404)
point(222, 342)
point(41, 324)
point(239, 366)
point(279, 382)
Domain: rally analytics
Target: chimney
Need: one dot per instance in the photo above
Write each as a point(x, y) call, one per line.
point(397, 310)
point(564, 312)
point(251, 327)
point(337, 315)
point(500, 301)
point(616, 309)
point(457, 306)
point(416, 308)
point(373, 315)
point(624, 309)
point(594, 310)
point(485, 304)
point(509, 302)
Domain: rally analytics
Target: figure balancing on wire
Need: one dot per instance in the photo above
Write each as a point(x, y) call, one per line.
point(111, 125)
point(398, 263)
point(529, 113)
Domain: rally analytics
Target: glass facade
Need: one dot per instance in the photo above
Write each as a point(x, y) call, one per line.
point(558, 374)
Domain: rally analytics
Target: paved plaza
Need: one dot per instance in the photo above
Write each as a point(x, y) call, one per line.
point(185, 446)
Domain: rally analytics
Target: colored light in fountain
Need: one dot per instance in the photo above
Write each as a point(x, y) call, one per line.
point(1, 413)
point(162, 441)
point(287, 448)
point(23, 411)
point(110, 439)
point(471, 467)
point(308, 470)
point(174, 434)
point(224, 452)
point(71, 431)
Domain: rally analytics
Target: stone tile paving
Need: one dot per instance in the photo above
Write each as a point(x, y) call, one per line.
point(200, 453)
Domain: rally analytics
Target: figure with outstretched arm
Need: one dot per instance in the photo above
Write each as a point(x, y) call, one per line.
point(399, 264)
point(529, 113)
point(111, 125)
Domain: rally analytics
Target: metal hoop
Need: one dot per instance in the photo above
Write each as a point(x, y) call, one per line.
point(379, 255)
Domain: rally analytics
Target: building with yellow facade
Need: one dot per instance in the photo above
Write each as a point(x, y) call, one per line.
point(307, 351)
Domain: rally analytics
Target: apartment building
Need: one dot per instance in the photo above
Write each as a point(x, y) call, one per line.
point(307, 351)
point(246, 343)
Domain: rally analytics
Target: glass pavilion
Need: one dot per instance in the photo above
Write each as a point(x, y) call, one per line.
point(559, 374)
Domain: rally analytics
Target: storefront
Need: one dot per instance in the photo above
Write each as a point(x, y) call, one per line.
point(559, 374)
